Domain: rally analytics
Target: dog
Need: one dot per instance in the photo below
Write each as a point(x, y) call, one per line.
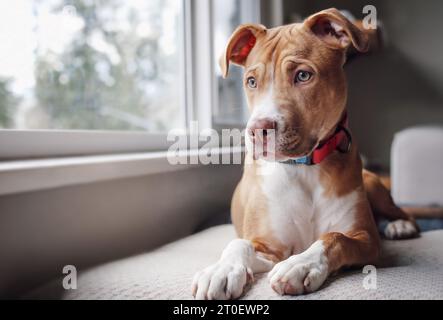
point(315, 213)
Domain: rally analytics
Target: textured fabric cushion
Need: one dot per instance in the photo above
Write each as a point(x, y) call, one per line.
point(417, 170)
point(410, 269)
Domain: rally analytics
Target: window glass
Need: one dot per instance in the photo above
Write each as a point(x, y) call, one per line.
point(91, 64)
point(230, 106)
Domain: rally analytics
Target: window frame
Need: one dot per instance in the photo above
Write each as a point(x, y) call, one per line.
point(198, 97)
point(250, 12)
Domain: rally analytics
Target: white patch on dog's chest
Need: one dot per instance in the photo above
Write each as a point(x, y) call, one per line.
point(298, 209)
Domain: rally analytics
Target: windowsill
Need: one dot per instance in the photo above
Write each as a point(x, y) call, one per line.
point(32, 175)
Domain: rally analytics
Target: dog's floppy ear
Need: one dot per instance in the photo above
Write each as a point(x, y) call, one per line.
point(336, 30)
point(240, 45)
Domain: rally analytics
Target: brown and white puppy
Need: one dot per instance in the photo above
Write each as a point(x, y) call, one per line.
point(299, 222)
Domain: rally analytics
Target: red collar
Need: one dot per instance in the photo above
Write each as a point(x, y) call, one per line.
point(334, 142)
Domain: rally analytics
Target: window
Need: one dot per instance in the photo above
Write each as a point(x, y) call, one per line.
point(99, 76)
point(229, 108)
point(91, 64)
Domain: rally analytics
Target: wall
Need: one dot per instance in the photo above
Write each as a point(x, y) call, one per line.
point(400, 86)
point(40, 232)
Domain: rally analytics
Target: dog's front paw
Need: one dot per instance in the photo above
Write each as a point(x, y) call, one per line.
point(401, 229)
point(299, 274)
point(221, 281)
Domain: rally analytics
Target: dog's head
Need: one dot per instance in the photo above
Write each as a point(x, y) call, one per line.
point(294, 78)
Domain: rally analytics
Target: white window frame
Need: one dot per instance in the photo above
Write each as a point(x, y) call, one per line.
point(198, 95)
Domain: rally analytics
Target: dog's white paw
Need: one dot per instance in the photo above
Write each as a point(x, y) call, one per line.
point(221, 281)
point(401, 229)
point(300, 273)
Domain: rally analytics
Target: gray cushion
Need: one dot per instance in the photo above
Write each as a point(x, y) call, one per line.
point(409, 269)
point(417, 167)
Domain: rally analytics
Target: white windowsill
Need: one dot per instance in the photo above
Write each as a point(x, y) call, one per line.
point(31, 175)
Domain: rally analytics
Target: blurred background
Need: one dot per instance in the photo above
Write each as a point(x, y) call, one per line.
point(89, 78)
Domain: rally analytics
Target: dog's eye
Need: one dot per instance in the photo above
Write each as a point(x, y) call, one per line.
point(252, 82)
point(303, 76)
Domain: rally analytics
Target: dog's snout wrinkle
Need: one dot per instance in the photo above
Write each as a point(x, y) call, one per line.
point(290, 145)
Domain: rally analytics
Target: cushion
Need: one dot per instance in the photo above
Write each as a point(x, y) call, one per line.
point(409, 269)
point(416, 167)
